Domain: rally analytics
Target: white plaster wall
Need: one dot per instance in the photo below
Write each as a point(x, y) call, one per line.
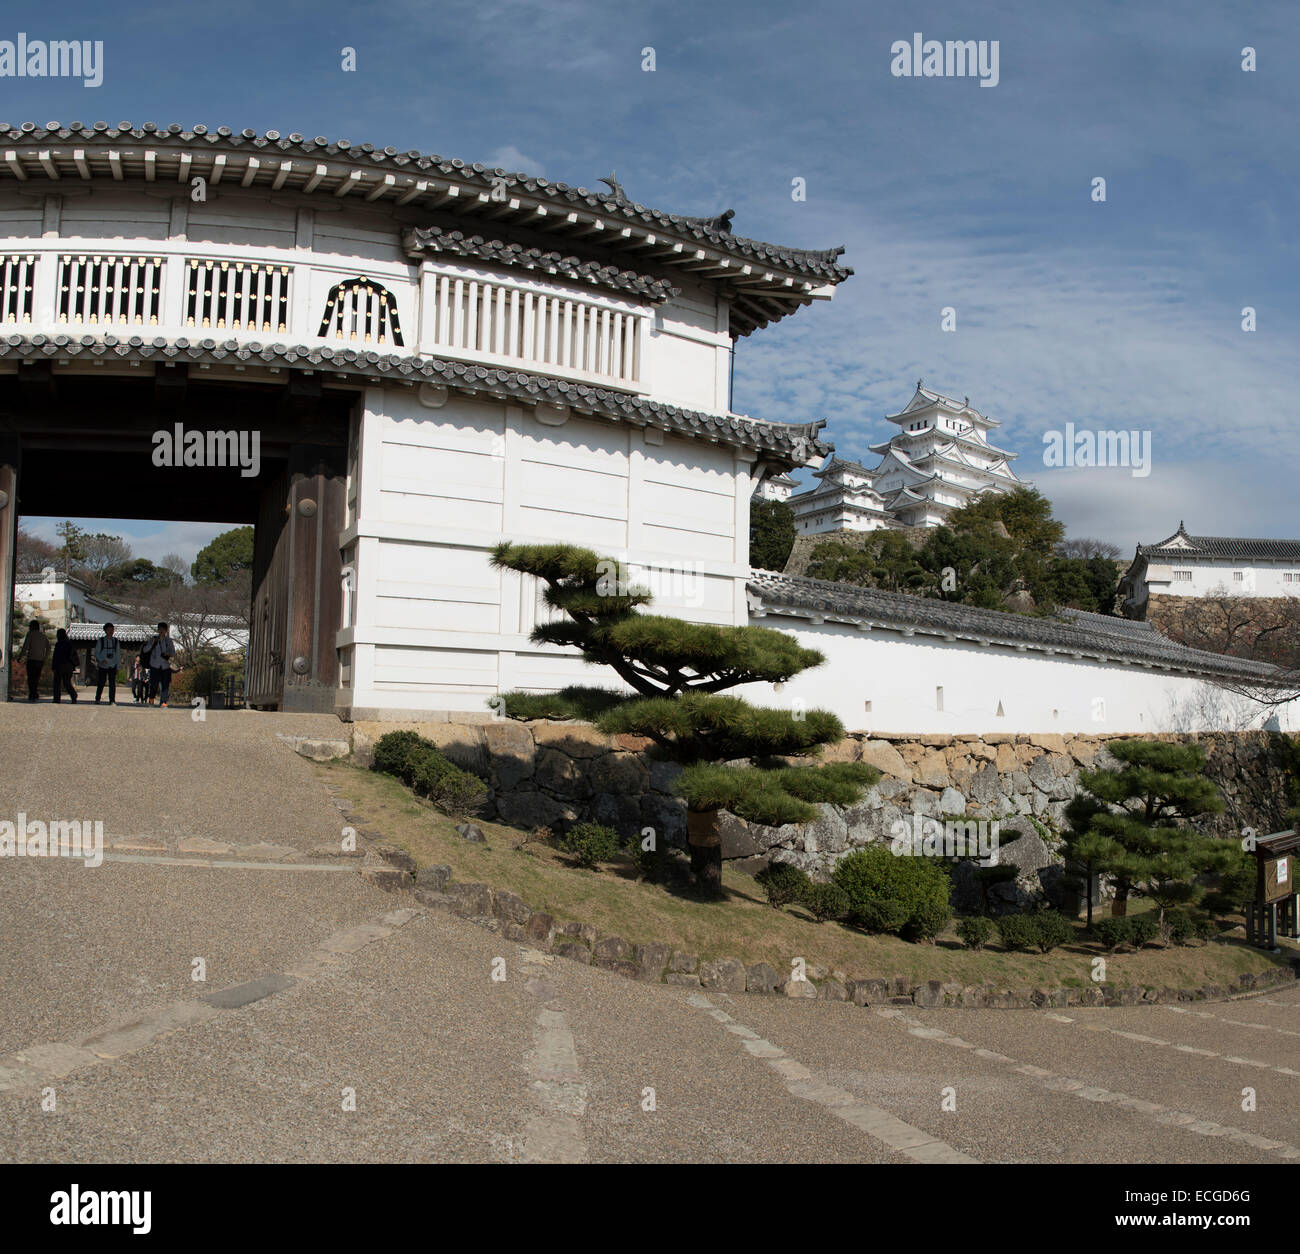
point(899, 676)
point(432, 626)
point(1216, 579)
point(686, 355)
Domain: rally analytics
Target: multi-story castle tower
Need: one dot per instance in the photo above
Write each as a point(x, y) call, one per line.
point(938, 461)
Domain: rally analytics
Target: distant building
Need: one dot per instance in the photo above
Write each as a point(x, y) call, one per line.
point(1184, 565)
point(61, 600)
point(938, 461)
point(775, 488)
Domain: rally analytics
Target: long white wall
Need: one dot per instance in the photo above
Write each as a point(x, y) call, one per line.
point(885, 681)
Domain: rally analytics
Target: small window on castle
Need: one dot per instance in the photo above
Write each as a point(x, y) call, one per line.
point(938, 698)
point(1291, 576)
point(1238, 576)
point(1181, 576)
point(360, 311)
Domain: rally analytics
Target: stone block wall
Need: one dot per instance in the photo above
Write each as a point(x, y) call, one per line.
point(553, 774)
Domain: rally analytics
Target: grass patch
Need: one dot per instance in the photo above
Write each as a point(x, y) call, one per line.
point(743, 925)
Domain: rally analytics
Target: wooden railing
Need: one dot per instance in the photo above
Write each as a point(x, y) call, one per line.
point(561, 334)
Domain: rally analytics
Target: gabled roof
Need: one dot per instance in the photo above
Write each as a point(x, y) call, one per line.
point(835, 463)
point(924, 398)
point(1070, 632)
point(763, 281)
point(1229, 548)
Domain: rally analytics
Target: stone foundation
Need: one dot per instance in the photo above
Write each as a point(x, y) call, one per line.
point(553, 774)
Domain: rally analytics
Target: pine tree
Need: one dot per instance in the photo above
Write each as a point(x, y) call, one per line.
point(733, 752)
point(1132, 823)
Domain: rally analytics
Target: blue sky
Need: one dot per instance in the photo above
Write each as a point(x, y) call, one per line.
point(1117, 315)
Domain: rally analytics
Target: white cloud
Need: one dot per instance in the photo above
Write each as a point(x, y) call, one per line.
point(510, 159)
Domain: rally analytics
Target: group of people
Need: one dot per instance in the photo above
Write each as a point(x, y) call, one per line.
point(151, 669)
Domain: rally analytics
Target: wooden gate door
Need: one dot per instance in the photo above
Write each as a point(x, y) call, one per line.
point(297, 585)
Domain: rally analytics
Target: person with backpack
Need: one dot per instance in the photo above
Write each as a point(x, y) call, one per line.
point(65, 666)
point(36, 649)
point(108, 656)
point(157, 654)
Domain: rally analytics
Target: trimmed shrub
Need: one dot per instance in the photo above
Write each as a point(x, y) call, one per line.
point(902, 895)
point(927, 921)
point(1220, 904)
point(1178, 929)
point(1112, 933)
point(826, 901)
point(1205, 930)
point(452, 790)
point(1143, 928)
point(395, 753)
point(1053, 929)
point(422, 768)
point(650, 863)
point(1018, 931)
point(975, 931)
point(783, 883)
point(590, 843)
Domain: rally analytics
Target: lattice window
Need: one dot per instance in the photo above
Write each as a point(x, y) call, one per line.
point(17, 272)
point(123, 291)
point(361, 311)
point(237, 296)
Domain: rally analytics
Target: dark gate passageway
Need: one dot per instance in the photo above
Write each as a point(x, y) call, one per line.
point(87, 444)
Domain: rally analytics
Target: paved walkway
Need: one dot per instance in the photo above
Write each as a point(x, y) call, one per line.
point(339, 1023)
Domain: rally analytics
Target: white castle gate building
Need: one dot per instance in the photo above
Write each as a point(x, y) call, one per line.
point(435, 356)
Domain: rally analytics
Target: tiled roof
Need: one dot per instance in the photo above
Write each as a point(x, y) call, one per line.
point(421, 240)
point(1230, 548)
point(99, 148)
point(794, 444)
point(125, 633)
point(1070, 632)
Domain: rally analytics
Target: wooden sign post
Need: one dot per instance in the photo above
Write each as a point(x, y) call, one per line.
point(1276, 908)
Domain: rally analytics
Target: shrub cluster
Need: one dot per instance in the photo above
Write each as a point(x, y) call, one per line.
point(422, 768)
point(1043, 932)
point(590, 843)
point(904, 896)
point(826, 901)
point(975, 931)
point(783, 883)
point(1138, 930)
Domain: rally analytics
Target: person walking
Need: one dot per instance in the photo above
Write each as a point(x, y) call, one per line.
point(108, 656)
point(36, 650)
point(65, 665)
point(138, 680)
point(159, 652)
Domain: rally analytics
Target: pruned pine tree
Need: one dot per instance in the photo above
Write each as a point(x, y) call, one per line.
point(1132, 823)
point(734, 753)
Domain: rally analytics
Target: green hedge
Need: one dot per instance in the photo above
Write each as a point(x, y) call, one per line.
point(590, 843)
point(783, 883)
point(826, 901)
point(975, 931)
point(422, 768)
point(1043, 932)
point(901, 895)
